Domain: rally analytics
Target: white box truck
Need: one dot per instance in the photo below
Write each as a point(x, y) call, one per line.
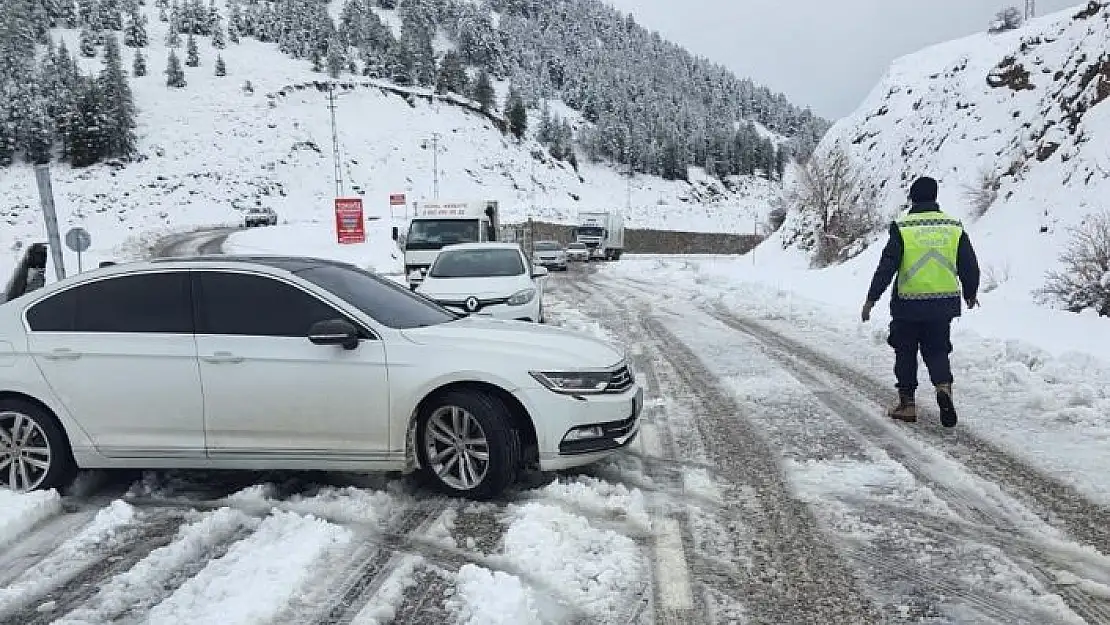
point(602, 232)
point(438, 224)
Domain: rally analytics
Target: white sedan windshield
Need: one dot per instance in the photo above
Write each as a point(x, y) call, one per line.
point(477, 264)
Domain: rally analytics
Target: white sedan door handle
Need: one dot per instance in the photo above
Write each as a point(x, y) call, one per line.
point(222, 358)
point(62, 353)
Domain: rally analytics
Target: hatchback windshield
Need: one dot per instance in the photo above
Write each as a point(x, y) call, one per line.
point(547, 246)
point(477, 264)
point(382, 300)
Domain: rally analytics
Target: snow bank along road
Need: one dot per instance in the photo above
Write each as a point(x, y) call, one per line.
point(766, 487)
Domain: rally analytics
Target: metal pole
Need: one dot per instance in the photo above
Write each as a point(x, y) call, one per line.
point(79, 267)
point(435, 165)
point(335, 142)
point(50, 217)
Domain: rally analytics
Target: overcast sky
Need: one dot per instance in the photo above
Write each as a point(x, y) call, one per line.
point(827, 54)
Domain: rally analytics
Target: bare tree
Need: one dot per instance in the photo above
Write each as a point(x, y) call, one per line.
point(832, 194)
point(1084, 281)
point(983, 193)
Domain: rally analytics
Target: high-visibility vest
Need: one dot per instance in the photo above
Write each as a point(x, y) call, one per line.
point(931, 243)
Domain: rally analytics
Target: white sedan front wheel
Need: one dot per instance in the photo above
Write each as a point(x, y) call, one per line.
point(33, 452)
point(467, 445)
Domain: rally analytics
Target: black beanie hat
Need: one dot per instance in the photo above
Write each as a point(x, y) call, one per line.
point(924, 189)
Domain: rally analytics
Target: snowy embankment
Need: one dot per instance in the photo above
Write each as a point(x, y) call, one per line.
point(213, 149)
point(379, 253)
point(1025, 113)
point(1036, 382)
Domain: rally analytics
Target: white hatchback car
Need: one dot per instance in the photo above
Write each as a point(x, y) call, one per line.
point(294, 363)
point(486, 279)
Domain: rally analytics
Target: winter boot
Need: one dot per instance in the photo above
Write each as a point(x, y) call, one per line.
point(904, 410)
point(948, 416)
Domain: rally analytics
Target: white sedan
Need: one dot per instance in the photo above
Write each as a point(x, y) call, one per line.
point(294, 363)
point(486, 279)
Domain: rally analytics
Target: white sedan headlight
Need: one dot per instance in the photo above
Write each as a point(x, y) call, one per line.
point(574, 382)
point(521, 298)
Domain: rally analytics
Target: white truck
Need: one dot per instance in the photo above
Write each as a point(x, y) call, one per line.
point(602, 232)
point(438, 224)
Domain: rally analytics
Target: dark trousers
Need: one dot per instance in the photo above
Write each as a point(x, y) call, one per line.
point(933, 339)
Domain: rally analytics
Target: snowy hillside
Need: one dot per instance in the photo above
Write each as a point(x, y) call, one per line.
point(1024, 111)
point(214, 148)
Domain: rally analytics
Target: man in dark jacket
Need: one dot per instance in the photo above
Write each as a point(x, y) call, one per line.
point(934, 261)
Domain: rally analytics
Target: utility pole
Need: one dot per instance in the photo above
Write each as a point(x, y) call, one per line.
point(335, 143)
point(1030, 9)
point(435, 165)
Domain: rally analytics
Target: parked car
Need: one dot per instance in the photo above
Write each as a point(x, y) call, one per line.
point(549, 254)
point(578, 252)
point(260, 217)
point(272, 363)
point(488, 279)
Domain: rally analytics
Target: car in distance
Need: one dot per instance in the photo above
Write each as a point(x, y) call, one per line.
point(487, 279)
point(549, 254)
point(578, 252)
point(260, 217)
point(269, 363)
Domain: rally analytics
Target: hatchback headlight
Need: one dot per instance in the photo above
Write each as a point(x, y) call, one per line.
point(521, 298)
point(574, 382)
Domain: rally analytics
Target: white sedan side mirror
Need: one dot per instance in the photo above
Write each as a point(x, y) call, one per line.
point(539, 272)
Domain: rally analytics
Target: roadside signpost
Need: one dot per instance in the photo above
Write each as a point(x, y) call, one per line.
point(350, 226)
point(78, 239)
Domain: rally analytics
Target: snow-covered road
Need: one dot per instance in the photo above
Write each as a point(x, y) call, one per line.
point(766, 487)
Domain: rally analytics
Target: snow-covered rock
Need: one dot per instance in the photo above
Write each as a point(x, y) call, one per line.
point(1027, 107)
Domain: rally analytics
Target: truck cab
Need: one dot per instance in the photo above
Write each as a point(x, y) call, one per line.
point(602, 233)
point(438, 224)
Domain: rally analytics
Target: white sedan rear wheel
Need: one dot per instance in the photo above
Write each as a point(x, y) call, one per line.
point(33, 451)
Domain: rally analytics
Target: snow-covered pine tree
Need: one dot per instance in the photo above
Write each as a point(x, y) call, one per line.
point(63, 13)
point(175, 74)
point(399, 66)
point(335, 58)
point(87, 43)
point(111, 16)
point(219, 39)
point(173, 36)
point(192, 55)
point(452, 75)
point(138, 66)
point(221, 67)
point(387, 4)
point(83, 139)
point(483, 91)
point(515, 111)
point(118, 105)
point(134, 35)
point(38, 128)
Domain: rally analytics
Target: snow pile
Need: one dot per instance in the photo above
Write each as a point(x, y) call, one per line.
point(349, 505)
point(1026, 109)
point(20, 512)
point(212, 149)
point(485, 597)
point(257, 576)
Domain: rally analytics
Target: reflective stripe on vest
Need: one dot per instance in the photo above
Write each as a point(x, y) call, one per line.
point(931, 242)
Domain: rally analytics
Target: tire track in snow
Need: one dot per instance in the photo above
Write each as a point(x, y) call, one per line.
point(796, 574)
point(1045, 493)
point(1057, 503)
point(70, 585)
